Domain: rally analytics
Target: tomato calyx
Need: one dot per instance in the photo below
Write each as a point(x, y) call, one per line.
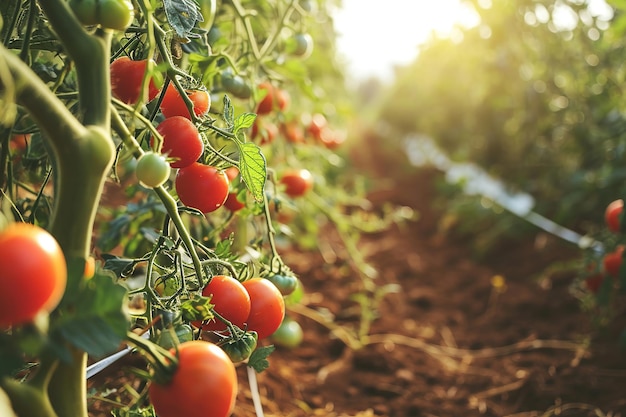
point(239, 347)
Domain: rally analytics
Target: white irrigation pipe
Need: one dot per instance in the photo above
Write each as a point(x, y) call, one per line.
point(422, 151)
point(102, 364)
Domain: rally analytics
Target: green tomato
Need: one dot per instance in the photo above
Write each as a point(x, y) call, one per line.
point(301, 45)
point(240, 349)
point(114, 14)
point(289, 334)
point(286, 284)
point(236, 85)
point(173, 336)
point(152, 170)
point(85, 11)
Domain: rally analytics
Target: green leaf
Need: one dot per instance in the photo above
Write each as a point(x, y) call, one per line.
point(96, 319)
point(253, 168)
point(121, 267)
point(197, 308)
point(258, 359)
point(229, 112)
point(182, 15)
point(243, 121)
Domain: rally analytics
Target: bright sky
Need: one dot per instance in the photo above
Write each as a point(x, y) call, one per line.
point(375, 35)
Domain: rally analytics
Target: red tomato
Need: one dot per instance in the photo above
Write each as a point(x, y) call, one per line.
point(174, 105)
point(593, 282)
point(293, 131)
point(297, 182)
point(267, 307)
point(330, 138)
point(33, 273)
point(232, 203)
point(231, 173)
point(126, 78)
point(204, 384)
point(230, 300)
point(282, 99)
point(315, 125)
point(19, 142)
point(612, 215)
point(612, 261)
point(266, 105)
point(181, 141)
point(265, 129)
point(202, 187)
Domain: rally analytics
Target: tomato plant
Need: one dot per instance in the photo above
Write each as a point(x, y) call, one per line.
point(613, 215)
point(152, 170)
point(202, 187)
point(181, 141)
point(230, 300)
point(297, 182)
point(267, 307)
point(126, 80)
point(204, 383)
point(174, 105)
point(32, 272)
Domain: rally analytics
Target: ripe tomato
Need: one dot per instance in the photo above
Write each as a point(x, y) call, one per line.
point(126, 78)
point(267, 307)
point(293, 131)
point(266, 129)
point(202, 187)
point(289, 334)
point(232, 203)
point(612, 261)
point(174, 105)
point(19, 142)
point(231, 173)
point(204, 384)
point(282, 99)
point(297, 182)
point(593, 282)
point(315, 124)
point(266, 105)
point(230, 300)
point(613, 214)
point(181, 141)
point(330, 138)
point(33, 273)
point(152, 170)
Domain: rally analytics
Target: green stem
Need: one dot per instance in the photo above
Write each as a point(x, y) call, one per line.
point(68, 386)
point(26, 400)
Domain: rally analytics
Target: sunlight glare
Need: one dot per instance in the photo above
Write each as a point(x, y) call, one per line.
point(375, 36)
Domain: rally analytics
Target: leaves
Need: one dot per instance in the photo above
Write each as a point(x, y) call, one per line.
point(182, 15)
point(96, 319)
point(253, 168)
point(258, 359)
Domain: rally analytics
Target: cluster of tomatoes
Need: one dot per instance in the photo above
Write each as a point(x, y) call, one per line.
point(612, 260)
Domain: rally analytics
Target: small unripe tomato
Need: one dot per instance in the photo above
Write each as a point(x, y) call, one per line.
point(152, 170)
point(114, 14)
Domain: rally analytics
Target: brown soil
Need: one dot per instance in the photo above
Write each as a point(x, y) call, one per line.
point(448, 343)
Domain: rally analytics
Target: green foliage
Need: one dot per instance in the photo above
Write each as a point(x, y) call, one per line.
point(536, 104)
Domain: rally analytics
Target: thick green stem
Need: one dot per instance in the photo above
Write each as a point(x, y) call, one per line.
point(27, 400)
point(68, 386)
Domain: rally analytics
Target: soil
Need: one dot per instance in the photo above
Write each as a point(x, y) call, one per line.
point(451, 341)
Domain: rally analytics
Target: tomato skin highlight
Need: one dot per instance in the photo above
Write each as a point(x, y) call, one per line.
point(126, 78)
point(230, 300)
point(204, 384)
point(612, 215)
point(202, 187)
point(174, 105)
point(181, 141)
point(267, 307)
point(33, 273)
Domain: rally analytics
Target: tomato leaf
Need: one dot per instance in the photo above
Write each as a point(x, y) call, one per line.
point(258, 359)
point(197, 308)
point(229, 112)
point(182, 15)
point(243, 121)
point(96, 319)
point(253, 168)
